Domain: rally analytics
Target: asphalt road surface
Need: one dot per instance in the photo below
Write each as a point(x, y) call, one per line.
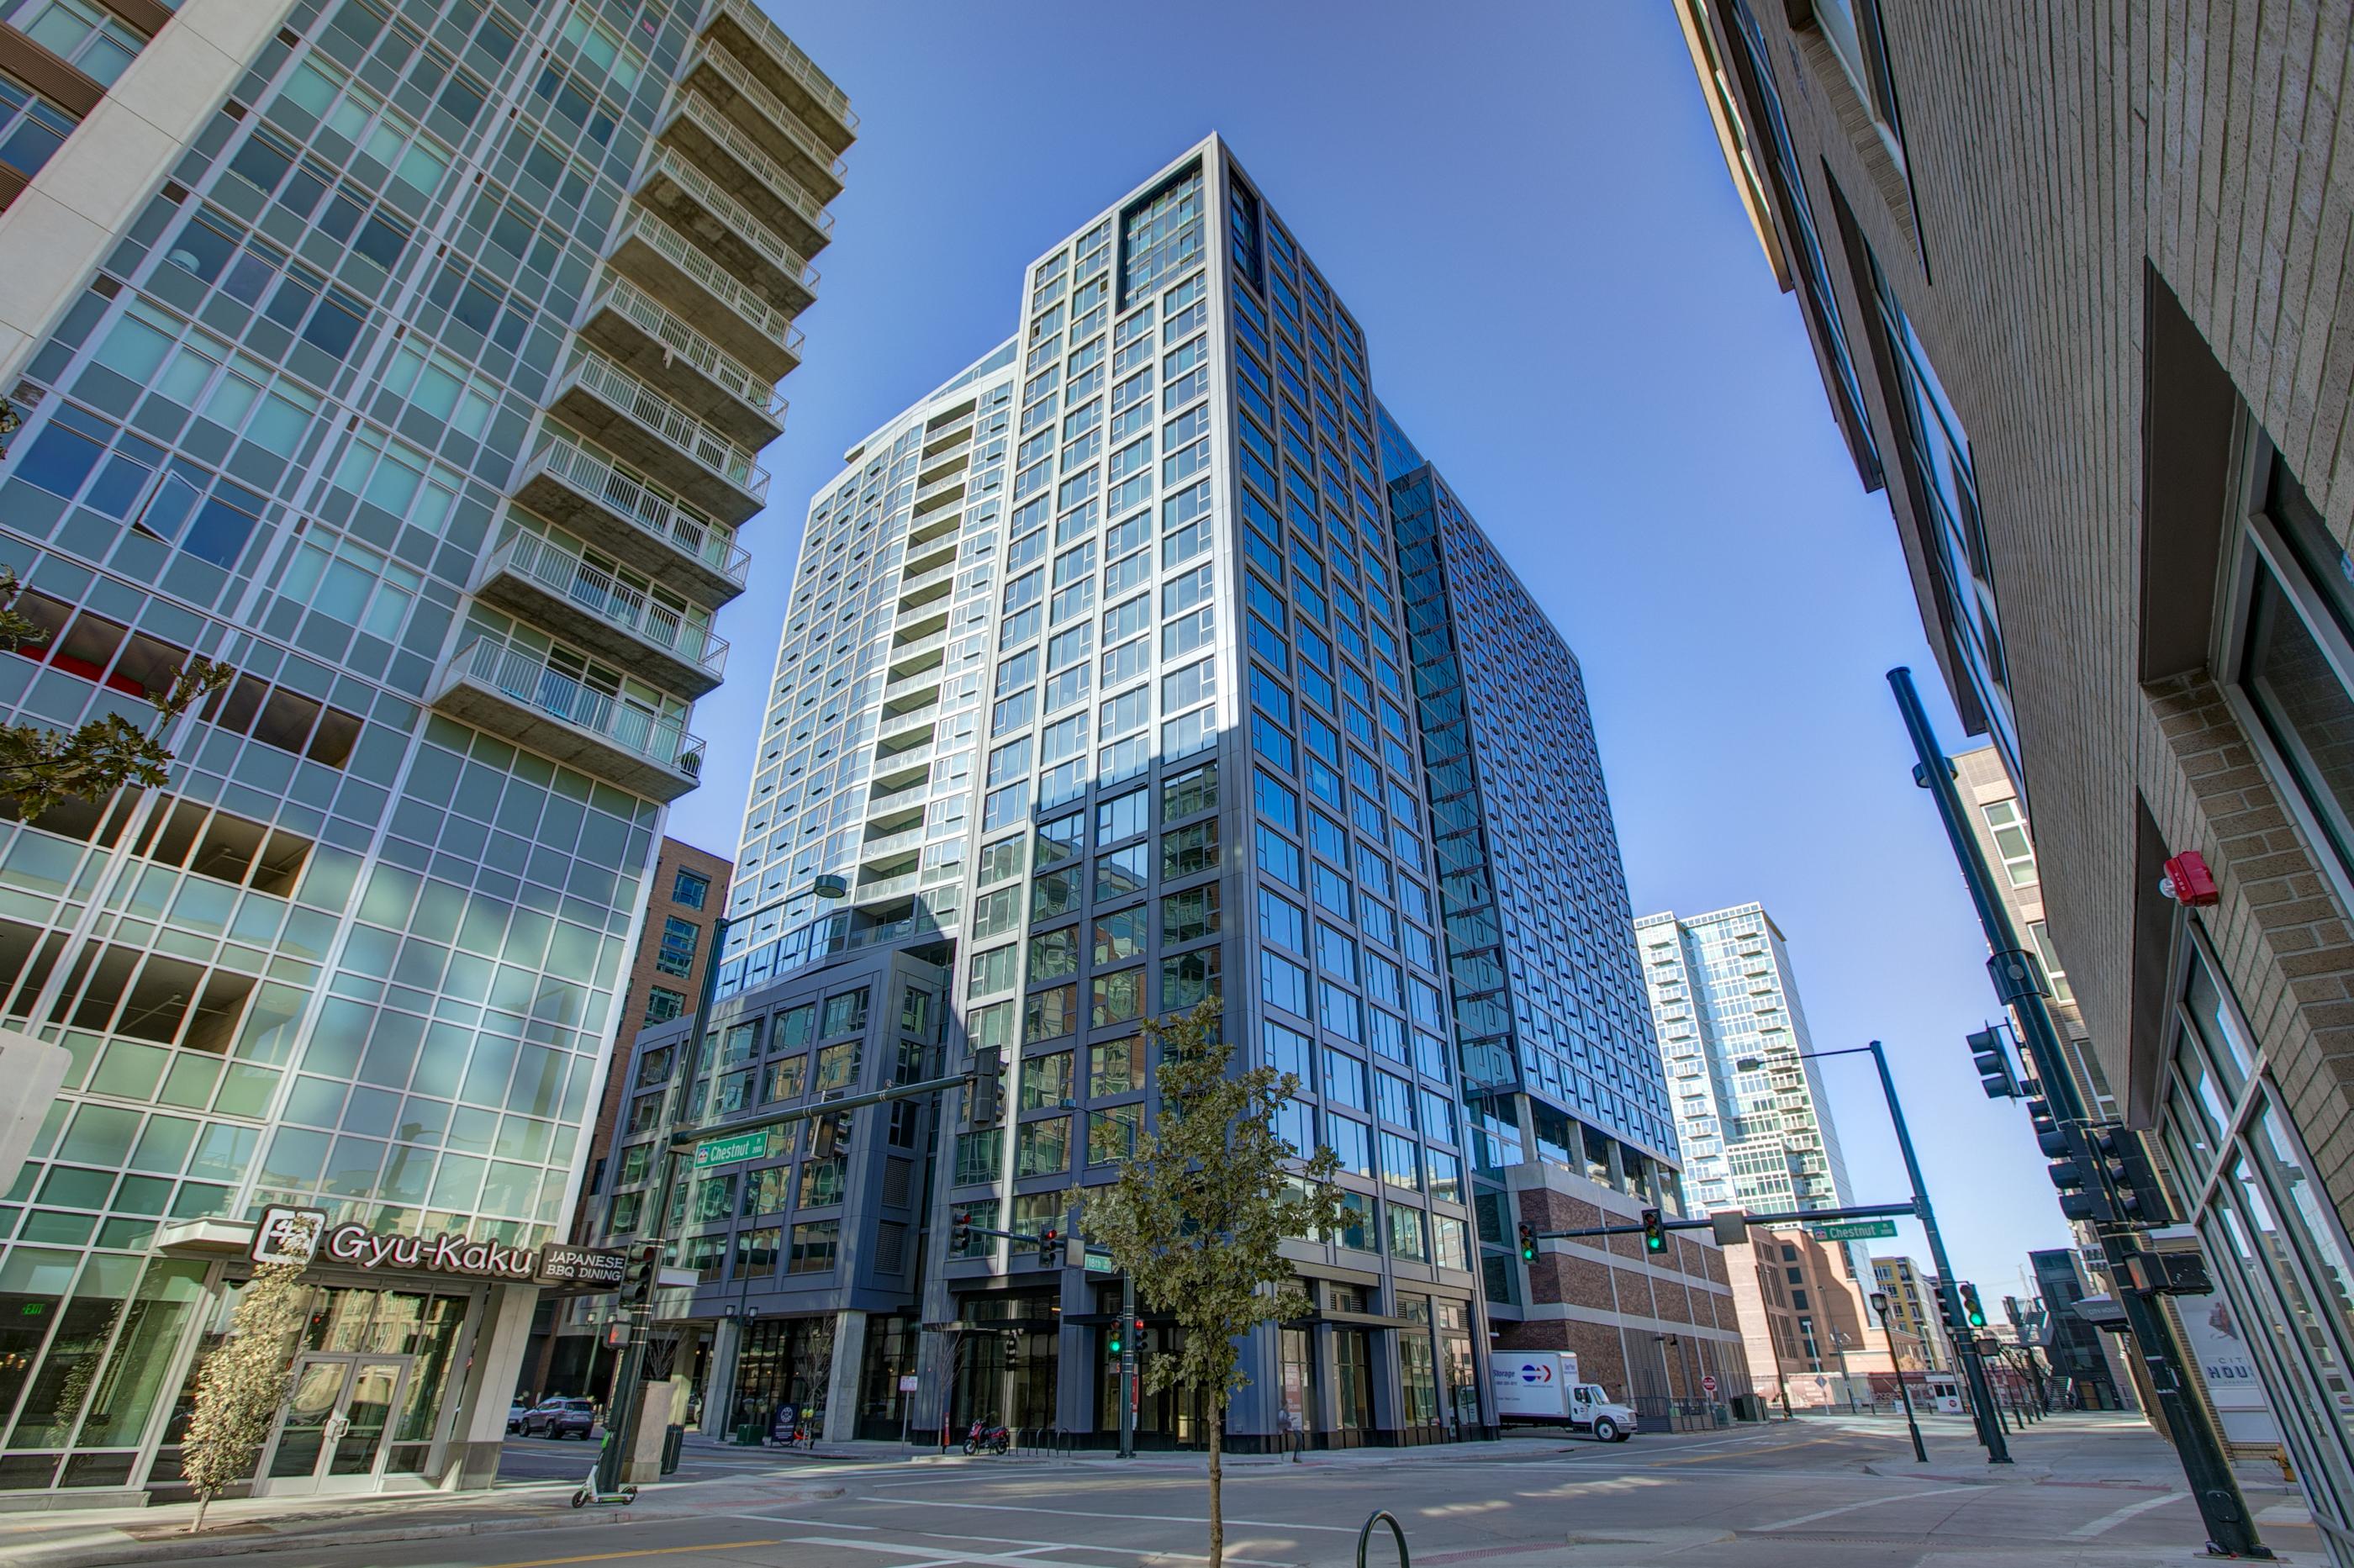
point(1778, 1497)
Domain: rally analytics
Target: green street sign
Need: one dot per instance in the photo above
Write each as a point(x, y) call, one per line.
point(1854, 1230)
point(727, 1150)
point(1099, 1263)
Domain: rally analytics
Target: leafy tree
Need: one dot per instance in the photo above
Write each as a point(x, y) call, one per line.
point(1200, 1214)
point(241, 1384)
point(40, 766)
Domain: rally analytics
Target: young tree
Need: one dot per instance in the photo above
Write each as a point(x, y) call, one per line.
point(1201, 1210)
point(40, 766)
point(241, 1384)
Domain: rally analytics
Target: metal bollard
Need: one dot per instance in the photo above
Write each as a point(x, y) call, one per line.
point(1365, 1536)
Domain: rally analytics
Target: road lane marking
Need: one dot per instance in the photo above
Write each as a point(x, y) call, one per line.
point(805, 1523)
point(1089, 1513)
point(646, 1551)
point(911, 1556)
point(1029, 1546)
point(2109, 1521)
point(1868, 1502)
point(1757, 1449)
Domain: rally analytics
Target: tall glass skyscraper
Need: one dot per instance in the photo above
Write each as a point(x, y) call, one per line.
point(1758, 1131)
point(412, 359)
point(1096, 698)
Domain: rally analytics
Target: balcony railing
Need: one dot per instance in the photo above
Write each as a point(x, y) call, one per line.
point(723, 370)
point(737, 217)
point(740, 147)
point(722, 285)
point(610, 599)
point(771, 111)
point(788, 54)
point(663, 417)
point(642, 502)
point(667, 758)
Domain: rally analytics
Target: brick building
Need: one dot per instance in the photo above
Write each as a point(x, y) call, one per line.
point(2077, 294)
point(688, 891)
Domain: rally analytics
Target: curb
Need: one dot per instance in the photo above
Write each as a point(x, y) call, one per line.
point(184, 1548)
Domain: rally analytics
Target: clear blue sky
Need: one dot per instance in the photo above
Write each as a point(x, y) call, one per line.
point(1525, 207)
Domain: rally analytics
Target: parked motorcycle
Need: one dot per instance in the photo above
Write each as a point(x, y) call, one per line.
point(985, 1439)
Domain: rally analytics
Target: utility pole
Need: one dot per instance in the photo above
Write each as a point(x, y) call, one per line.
point(2017, 979)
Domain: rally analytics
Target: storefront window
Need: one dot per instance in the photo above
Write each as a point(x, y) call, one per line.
point(1353, 1377)
point(59, 1392)
point(126, 1394)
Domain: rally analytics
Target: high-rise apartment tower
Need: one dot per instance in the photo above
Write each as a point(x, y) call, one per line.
point(411, 358)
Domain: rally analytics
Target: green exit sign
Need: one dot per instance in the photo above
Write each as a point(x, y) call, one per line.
point(1854, 1230)
point(727, 1150)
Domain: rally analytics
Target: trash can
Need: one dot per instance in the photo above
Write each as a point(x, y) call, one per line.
point(673, 1439)
point(751, 1433)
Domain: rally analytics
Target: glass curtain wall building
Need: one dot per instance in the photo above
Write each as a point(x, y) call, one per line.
point(423, 387)
point(1093, 703)
point(1568, 1109)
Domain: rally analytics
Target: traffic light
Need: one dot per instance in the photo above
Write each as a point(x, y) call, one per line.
point(1972, 1313)
point(2142, 1197)
point(2075, 1175)
point(1991, 1054)
point(1050, 1243)
point(639, 1273)
point(960, 1233)
point(1655, 1235)
point(1528, 1242)
point(1117, 1338)
point(988, 1072)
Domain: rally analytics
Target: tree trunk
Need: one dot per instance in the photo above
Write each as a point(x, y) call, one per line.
point(1217, 1518)
point(204, 1500)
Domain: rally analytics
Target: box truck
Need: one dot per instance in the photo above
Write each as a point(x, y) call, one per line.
point(1543, 1385)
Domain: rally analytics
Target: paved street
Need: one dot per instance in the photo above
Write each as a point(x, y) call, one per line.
point(2095, 1490)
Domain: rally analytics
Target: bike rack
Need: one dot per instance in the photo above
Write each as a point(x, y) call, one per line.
point(1366, 1536)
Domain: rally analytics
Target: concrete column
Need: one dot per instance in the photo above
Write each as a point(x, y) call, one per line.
point(1078, 1349)
point(842, 1378)
point(719, 1387)
point(642, 1465)
point(490, 1380)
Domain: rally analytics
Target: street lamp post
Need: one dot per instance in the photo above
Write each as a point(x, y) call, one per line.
point(1989, 1425)
point(1880, 1305)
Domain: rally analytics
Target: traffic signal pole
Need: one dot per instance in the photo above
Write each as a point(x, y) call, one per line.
point(1949, 1291)
point(1127, 1365)
point(2230, 1531)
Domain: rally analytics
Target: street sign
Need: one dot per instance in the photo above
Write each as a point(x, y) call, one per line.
point(1853, 1230)
point(909, 1383)
point(1708, 1386)
point(1099, 1263)
point(727, 1150)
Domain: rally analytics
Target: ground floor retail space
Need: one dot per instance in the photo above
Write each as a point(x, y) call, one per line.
point(390, 1380)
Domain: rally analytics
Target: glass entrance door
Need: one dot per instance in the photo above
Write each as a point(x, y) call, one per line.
point(331, 1435)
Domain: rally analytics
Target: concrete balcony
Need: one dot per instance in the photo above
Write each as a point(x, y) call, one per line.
point(719, 223)
point(518, 697)
point(645, 338)
point(599, 399)
point(713, 69)
point(895, 725)
point(760, 44)
point(725, 152)
point(879, 851)
point(689, 282)
point(551, 586)
point(587, 491)
point(940, 493)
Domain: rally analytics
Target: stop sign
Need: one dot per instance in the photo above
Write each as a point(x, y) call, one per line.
point(1708, 1385)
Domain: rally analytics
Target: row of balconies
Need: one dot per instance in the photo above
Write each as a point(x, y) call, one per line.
point(724, 225)
point(713, 69)
point(697, 127)
point(535, 577)
point(517, 694)
point(644, 335)
point(691, 283)
point(591, 492)
point(600, 398)
point(824, 108)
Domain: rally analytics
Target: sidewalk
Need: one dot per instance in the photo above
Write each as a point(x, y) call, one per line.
point(104, 1538)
